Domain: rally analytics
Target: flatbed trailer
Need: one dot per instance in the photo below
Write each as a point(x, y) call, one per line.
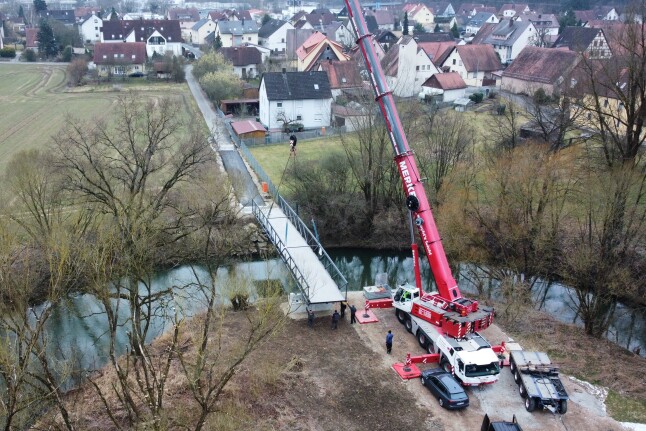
point(538, 381)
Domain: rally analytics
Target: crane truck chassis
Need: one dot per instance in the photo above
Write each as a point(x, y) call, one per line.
point(470, 358)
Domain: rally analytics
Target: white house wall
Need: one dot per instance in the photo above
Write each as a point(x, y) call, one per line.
point(90, 29)
point(451, 95)
point(314, 113)
point(413, 70)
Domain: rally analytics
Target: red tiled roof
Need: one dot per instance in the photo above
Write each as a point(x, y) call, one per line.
point(479, 58)
point(246, 126)
point(544, 65)
point(445, 81)
point(186, 14)
point(120, 53)
point(119, 30)
point(437, 51)
point(242, 55)
point(342, 74)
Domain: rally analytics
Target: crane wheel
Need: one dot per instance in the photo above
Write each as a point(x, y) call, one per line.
point(401, 316)
point(563, 407)
point(530, 404)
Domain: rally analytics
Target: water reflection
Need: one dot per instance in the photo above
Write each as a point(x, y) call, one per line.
point(360, 268)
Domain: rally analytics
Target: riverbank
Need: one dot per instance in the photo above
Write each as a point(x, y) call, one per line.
point(321, 379)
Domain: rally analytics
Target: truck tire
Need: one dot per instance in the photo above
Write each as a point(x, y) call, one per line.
point(421, 339)
point(512, 366)
point(447, 367)
point(517, 378)
point(408, 324)
point(530, 404)
point(521, 390)
point(430, 348)
point(401, 315)
point(563, 407)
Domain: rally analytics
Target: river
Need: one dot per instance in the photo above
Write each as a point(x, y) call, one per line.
point(79, 326)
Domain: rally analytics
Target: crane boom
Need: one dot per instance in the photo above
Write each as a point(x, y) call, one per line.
point(416, 200)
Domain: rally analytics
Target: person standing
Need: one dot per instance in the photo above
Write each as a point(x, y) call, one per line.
point(344, 305)
point(353, 314)
point(310, 318)
point(389, 342)
point(292, 144)
point(335, 319)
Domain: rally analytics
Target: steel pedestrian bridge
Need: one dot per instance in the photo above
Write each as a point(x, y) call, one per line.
point(314, 272)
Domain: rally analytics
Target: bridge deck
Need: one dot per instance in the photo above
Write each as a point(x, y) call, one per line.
point(315, 281)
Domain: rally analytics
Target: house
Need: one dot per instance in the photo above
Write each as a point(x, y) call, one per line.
point(437, 51)
point(470, 9)
point(386, 39)
point(546, 24)
point(318, 48)
point(65, 16)
point(81, 13)
point(273, 35)
point(342, 75)
point(1, 33)
point(450, 85)
point(477, 20)
point(337, 32)
point(536, 68)
point(217, 16)
point(433, 37)
point(303, 25)
point(444, 24)
point(385, 18)
point(120, 59)
point(509, 37)
point(236, 33)
point(510, 10)
point(318, 21)
point(141, 16)
point(420, 13)
point(160, 36)
point(187, 18)
point(17, 25)
point(406, 66)
point(476, 64)
point(441, 8)
point(295, 38)
point(591, 41)
point(602, 13)
point(304, 97)
point(353, 116)
point(245, 60)
point(200, 30)
point(31, 39)
point(90, 28)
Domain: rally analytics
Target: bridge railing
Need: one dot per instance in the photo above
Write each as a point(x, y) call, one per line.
point(293, 217)
point(286, 257)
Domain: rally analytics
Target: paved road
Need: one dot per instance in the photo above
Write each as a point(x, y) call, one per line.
point(244, 186)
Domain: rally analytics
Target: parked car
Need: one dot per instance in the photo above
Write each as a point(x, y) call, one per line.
point(489, 425)
point(445, 388)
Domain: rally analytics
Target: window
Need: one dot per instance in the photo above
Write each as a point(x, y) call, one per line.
point(299, 118)
point(279, 104)
point(105, 56)
point(316, 86)
point(282, 40)
point(605, 103)
point(416, 67)
point(116, 55)
point(454, 61)
point(134, 56)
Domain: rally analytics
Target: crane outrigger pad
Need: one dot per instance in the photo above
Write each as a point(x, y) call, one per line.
point(366, 316)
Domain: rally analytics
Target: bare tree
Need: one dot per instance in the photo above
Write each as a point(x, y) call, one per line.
point(446, 139)
point(133, 173)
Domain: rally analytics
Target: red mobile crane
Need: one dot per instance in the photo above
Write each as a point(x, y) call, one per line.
point(416, 200)
point(453, 319)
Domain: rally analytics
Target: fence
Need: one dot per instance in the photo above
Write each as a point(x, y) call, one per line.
point(293, 217)
point(281, 137)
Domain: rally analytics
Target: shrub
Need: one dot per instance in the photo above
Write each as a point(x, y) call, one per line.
point(239, 301)
point(7, 52)
point(29, 55)
point(66, 56)
point(476, 97)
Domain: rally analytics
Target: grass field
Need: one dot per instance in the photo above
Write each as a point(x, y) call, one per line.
point(34, 102)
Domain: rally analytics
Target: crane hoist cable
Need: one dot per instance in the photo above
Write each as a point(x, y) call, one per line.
point(281, 180)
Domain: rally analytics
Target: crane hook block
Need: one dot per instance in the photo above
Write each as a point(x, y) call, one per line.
point(412, 203)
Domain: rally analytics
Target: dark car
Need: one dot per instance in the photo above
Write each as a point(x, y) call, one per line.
point(445, 388)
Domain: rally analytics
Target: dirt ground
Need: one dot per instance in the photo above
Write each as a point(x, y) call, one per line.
point(319, 379)
point(500, 400)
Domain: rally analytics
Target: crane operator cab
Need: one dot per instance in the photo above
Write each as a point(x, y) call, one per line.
point(406, 293)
